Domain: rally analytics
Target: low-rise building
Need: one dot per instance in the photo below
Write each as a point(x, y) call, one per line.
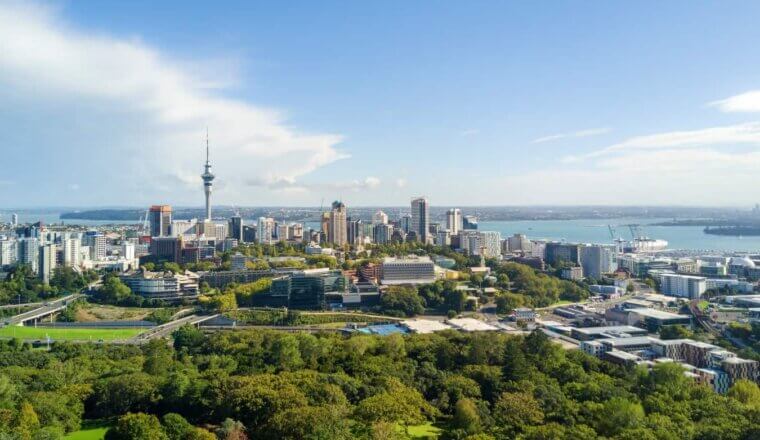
point(166, 286)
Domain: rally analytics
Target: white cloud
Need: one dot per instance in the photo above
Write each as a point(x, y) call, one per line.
point(743, 102)
point(469, 132)
point(710, 166)
point(731, 135)
point(572, 135)
point(285, 185)
point(401, 182)
point(44, 58)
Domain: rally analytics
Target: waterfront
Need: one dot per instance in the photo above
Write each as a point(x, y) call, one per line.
point(584, 230)
point(594, 231)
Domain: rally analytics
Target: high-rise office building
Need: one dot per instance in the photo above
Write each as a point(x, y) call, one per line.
point(98, 246)
point(354, 230)
point(72, 252)
point(443, 238)
point(598, 259)
point(46, 263)
point(380, 218)
point(336, 232)
point(8, 252)
point(382, 233)
point(128, 250)
point(184, 227)
point(28, 250)
point(406, 223)
point(490, 243)
point(470, 222)
point(454, 220)
point(265, 230)
point(14, 219)
point(208, 181)
point(420, 218)
point(160, 219)
point(563, 253)
point(236, 227)
point(167, 248)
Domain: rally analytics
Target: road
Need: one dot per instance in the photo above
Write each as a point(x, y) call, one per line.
point(47, 309)
point(708, 325)
point(167, 329)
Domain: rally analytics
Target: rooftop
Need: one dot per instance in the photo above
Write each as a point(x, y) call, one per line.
point(621, 342)
point(425, 326)
point(609, 329)
point(471, 325)
point(658, 314)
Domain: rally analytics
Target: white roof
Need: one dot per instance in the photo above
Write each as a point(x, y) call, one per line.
point(471, 325)
point(424, 326)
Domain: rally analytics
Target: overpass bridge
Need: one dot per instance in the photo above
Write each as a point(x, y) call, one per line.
point(48, 309)
point(164, 330)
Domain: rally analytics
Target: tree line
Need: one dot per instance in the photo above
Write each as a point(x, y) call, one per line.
point(259, 384)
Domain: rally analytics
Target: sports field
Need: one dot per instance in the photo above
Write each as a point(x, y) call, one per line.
point(89, 431)
point(68, 334)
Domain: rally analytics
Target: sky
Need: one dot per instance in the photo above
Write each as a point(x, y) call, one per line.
point(469, 103)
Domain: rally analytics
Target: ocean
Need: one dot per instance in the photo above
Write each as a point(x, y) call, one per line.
point(597, 231)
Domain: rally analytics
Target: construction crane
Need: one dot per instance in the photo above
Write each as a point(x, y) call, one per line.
point(144, 221)
point(635, 231)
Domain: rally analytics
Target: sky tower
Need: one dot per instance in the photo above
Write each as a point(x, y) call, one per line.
point(208, 179)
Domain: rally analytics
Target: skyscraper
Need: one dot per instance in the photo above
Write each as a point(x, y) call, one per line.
point(336, 232)
point(454, 220)
point(420, 218)
point(72, 252)
point(470, 222)
point(47, 262)
point(14, 219)
point(265, 230)
point(160, 218)
point(236, 227)
point(380, 218)
point(355, 231)
point(208, 180)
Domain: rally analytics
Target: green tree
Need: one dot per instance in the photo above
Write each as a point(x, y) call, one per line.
point(113, 291)
point(27, 422)
point(746, 392)
point(176, 427)
point(401, 301)
point(466, 417)
point(675, 332)
point(136, 426)
point(513, 412)
point(619, 414)
point(507, 302)
point(188, 337)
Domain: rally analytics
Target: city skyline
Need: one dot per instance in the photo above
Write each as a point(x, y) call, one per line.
point(114, 103)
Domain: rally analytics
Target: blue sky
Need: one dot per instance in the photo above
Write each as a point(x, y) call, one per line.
point(469, 103)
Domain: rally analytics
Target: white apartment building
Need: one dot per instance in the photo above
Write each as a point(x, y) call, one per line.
point(72, 252)
point(8, 252)
point(685, 286)
point(407, 270)
point(454, 220)
point(265, 230)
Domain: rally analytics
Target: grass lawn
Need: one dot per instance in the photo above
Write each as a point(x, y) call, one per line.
point(68, 334)
point(420, 432)
point(89, 431)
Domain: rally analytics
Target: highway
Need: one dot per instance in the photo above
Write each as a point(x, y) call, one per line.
point(16, 306)
point(47, 309)
point(167, 329)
